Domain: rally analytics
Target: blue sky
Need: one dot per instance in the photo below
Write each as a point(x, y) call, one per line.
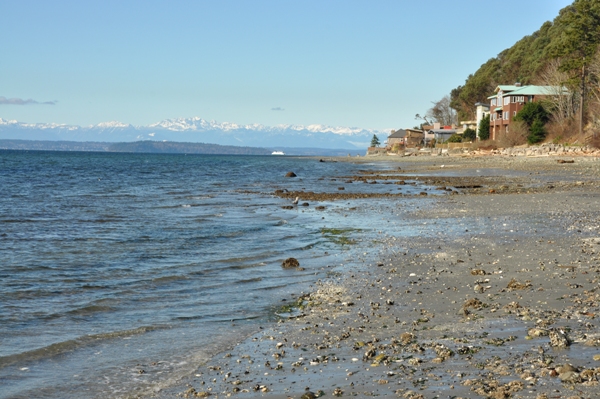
point(370, 64)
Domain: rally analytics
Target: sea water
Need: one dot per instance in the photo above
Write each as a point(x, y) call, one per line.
point(121, 273)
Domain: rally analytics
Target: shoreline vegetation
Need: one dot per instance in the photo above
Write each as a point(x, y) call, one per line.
point(498, 299)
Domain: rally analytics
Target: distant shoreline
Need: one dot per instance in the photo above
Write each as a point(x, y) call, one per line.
point(165, 147)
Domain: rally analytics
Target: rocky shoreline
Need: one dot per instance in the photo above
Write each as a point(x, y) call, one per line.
point(500, 298)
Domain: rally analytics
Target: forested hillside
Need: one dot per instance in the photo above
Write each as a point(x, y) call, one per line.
point(571, 39)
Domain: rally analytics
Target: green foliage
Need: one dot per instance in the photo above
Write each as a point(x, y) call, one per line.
point(579, 41)
point(375, 141)
point(574, 35)
point(537, 132)
point(469, 135)
point(532, 112)
point(455, 138)
point(484, 128)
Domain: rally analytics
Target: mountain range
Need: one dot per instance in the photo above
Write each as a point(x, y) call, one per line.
point(196, 130)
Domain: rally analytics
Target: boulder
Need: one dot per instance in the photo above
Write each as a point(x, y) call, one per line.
point(290, 174)
point(290, 263)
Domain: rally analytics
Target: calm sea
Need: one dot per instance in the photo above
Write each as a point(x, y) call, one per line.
point(120, 273)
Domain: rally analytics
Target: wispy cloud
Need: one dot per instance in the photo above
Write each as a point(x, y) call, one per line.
point(277, 109)
point(20, 101)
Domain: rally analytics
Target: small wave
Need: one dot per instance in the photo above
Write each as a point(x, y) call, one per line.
point(70, 345)
point(168, 279)
point(89, 310)
point(219, 318)
point(250, 280)
point(178, 192)
point(200, 197)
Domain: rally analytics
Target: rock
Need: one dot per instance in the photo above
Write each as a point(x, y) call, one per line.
point(472, 303)
point(537, 332)
point(567, 368)
point(406, 338)
point(515, 285)
point(308, 395)
point(558, 338)
point(290, 174)
point(478, 272)
point(569, 376)
point(290, 263)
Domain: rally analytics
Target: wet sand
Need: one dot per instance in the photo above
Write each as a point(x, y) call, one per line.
point(499, 299)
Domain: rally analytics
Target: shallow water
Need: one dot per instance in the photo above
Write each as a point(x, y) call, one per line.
point(120, 272)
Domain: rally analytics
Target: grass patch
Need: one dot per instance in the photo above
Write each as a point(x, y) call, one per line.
point(339, 236)
point(292, 309)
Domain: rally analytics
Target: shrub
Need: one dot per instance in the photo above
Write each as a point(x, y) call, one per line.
point(517, 135)
point(537, 133)
point(532, 112)
point(562, 133)
point(469, 135)
point(455, 138)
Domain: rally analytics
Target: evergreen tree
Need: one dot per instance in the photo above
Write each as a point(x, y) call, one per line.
point(577, 46)
point(537, 132)
point(531, 112)
point(375, 141)
point(484, 128)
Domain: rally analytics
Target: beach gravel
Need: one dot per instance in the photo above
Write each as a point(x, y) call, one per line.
point(499, 299)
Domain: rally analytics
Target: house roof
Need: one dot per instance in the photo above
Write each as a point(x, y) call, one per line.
point(506, 88)
point(539, 91)
point(530, 90)
point(398, 134)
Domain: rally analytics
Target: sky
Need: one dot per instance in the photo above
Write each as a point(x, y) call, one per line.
point(370, 64)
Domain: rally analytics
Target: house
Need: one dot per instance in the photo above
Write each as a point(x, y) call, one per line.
point(508, 100)
point(467, 125)
point(414, 138)
point(439, 133)
point(397, 137)
point(409, 138)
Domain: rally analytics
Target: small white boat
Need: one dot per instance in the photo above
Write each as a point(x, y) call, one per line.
point(278, 153)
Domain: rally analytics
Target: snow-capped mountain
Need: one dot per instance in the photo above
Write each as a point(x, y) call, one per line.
point(196, 130)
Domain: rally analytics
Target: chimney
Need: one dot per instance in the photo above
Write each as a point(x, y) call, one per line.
point(436, 125)
point(518, 84)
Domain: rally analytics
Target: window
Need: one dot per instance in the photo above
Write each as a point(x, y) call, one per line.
point(493, 102)
point(514, 113)
point(506, 115)
point(506, 100)
point(518, 99)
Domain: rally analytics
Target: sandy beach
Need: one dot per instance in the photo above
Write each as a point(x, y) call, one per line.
point(498, 299)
